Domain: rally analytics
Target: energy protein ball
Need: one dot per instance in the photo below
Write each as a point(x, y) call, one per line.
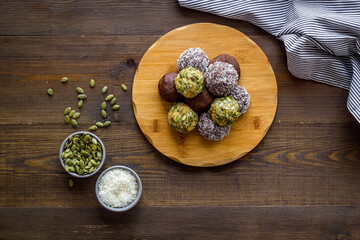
point(201, 102)
point(182, 118)
point(189, 82)
point(228, 59)
point(221, 78)
point(193, 57)
point(224, 111)
point(242, 97)
point(167, 88)
point(209, 130)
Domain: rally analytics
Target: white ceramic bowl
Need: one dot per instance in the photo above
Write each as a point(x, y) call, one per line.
point(102, 159)
point(133, 203)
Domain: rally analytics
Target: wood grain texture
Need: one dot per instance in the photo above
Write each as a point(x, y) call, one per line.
point(256, 76)
point(300, 182)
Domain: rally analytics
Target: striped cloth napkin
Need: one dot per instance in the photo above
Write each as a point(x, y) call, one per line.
point(322, 38)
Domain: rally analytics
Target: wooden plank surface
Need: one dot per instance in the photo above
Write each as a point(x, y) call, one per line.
point(301, 182)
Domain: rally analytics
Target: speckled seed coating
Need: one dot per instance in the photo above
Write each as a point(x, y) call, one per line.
point(182, 118)
point(221, 78)
point(189, 82)
point(242, 97)
point(193, 57)
point(209, 130)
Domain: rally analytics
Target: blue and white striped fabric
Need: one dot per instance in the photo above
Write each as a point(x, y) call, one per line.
point(322, 38)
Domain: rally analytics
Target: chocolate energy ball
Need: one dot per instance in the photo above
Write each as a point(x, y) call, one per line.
point(201, 102)
point(242, 97)
point(224, 111)
point(189, 82)
point(228, 59)
point(182, 118)
point(193, 57)
point(221, 78)
point(167, 88)
point(209, 130)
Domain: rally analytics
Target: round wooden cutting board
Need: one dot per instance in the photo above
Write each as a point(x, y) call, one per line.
point(151, 110)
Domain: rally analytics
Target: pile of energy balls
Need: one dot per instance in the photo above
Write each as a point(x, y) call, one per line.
point(207, 88)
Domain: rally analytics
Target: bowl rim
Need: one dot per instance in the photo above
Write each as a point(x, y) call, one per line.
point(102, 159)
point(127, 207)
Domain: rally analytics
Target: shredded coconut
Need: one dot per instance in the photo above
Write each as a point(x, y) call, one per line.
point(193, 57)
point(118, 188)
point(242, 97)
point(209, 130)
point(221, 78)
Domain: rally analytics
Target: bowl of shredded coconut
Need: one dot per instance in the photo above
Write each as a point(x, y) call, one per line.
point(118, 188)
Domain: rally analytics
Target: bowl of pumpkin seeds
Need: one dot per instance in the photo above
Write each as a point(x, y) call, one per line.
point(82, 154)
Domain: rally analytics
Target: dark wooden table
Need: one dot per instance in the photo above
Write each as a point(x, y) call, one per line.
point(301, 182)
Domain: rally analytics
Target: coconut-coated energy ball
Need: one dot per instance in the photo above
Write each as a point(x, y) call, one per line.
point(193, 57)
point(221, 78)
point(228, 59)
point(209, 130)
point(189, 82)
point(201, 102)
point(242, 97)
point(224, 111)
point(167, 88)
point(182, 118)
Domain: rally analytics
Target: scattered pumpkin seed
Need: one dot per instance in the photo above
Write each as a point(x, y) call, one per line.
point(76, 114)
point(80, 104)
point(50, 92)
point(93, 128)
point(113, 101)
point(71, 183)
point(109, 97)
point(124, 87)
point(74, 123)
point(104, 89)
point(115, 107)
point(82, 96)
point(107, 123)
point(103, 105)
point(92, 83)
point(64, 79)
point(67, 119)
point(79, 90)
point(99, 124)
point(67, 111)
point(103, 113)
point(71, 113)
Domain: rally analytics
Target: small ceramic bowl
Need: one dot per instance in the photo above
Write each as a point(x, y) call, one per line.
point(133, 203)
point(102, 159)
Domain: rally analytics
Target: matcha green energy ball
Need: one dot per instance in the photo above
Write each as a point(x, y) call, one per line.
point(182, 118)
point(224, 111)
point(189, 82)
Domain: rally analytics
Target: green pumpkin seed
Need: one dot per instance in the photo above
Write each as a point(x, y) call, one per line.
point(64, 79)
point(93, 128)
point(104, 90)
point(103, 113)
point(115, 107)
point(79, 90)
point(109, 97)
point(67, 110)
point(123, 86)
point(71, 183)
point(113, 101)
point(103, 105)
point(71, 169)
point(76, 114)
point(50, 92)
point(82, 96)
point(67, 119)
point(107, 123)
point(74, 123)
point(67, 168)
point(80, 104)
point(92, 83)
point(99, 124)
point(71, 113)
